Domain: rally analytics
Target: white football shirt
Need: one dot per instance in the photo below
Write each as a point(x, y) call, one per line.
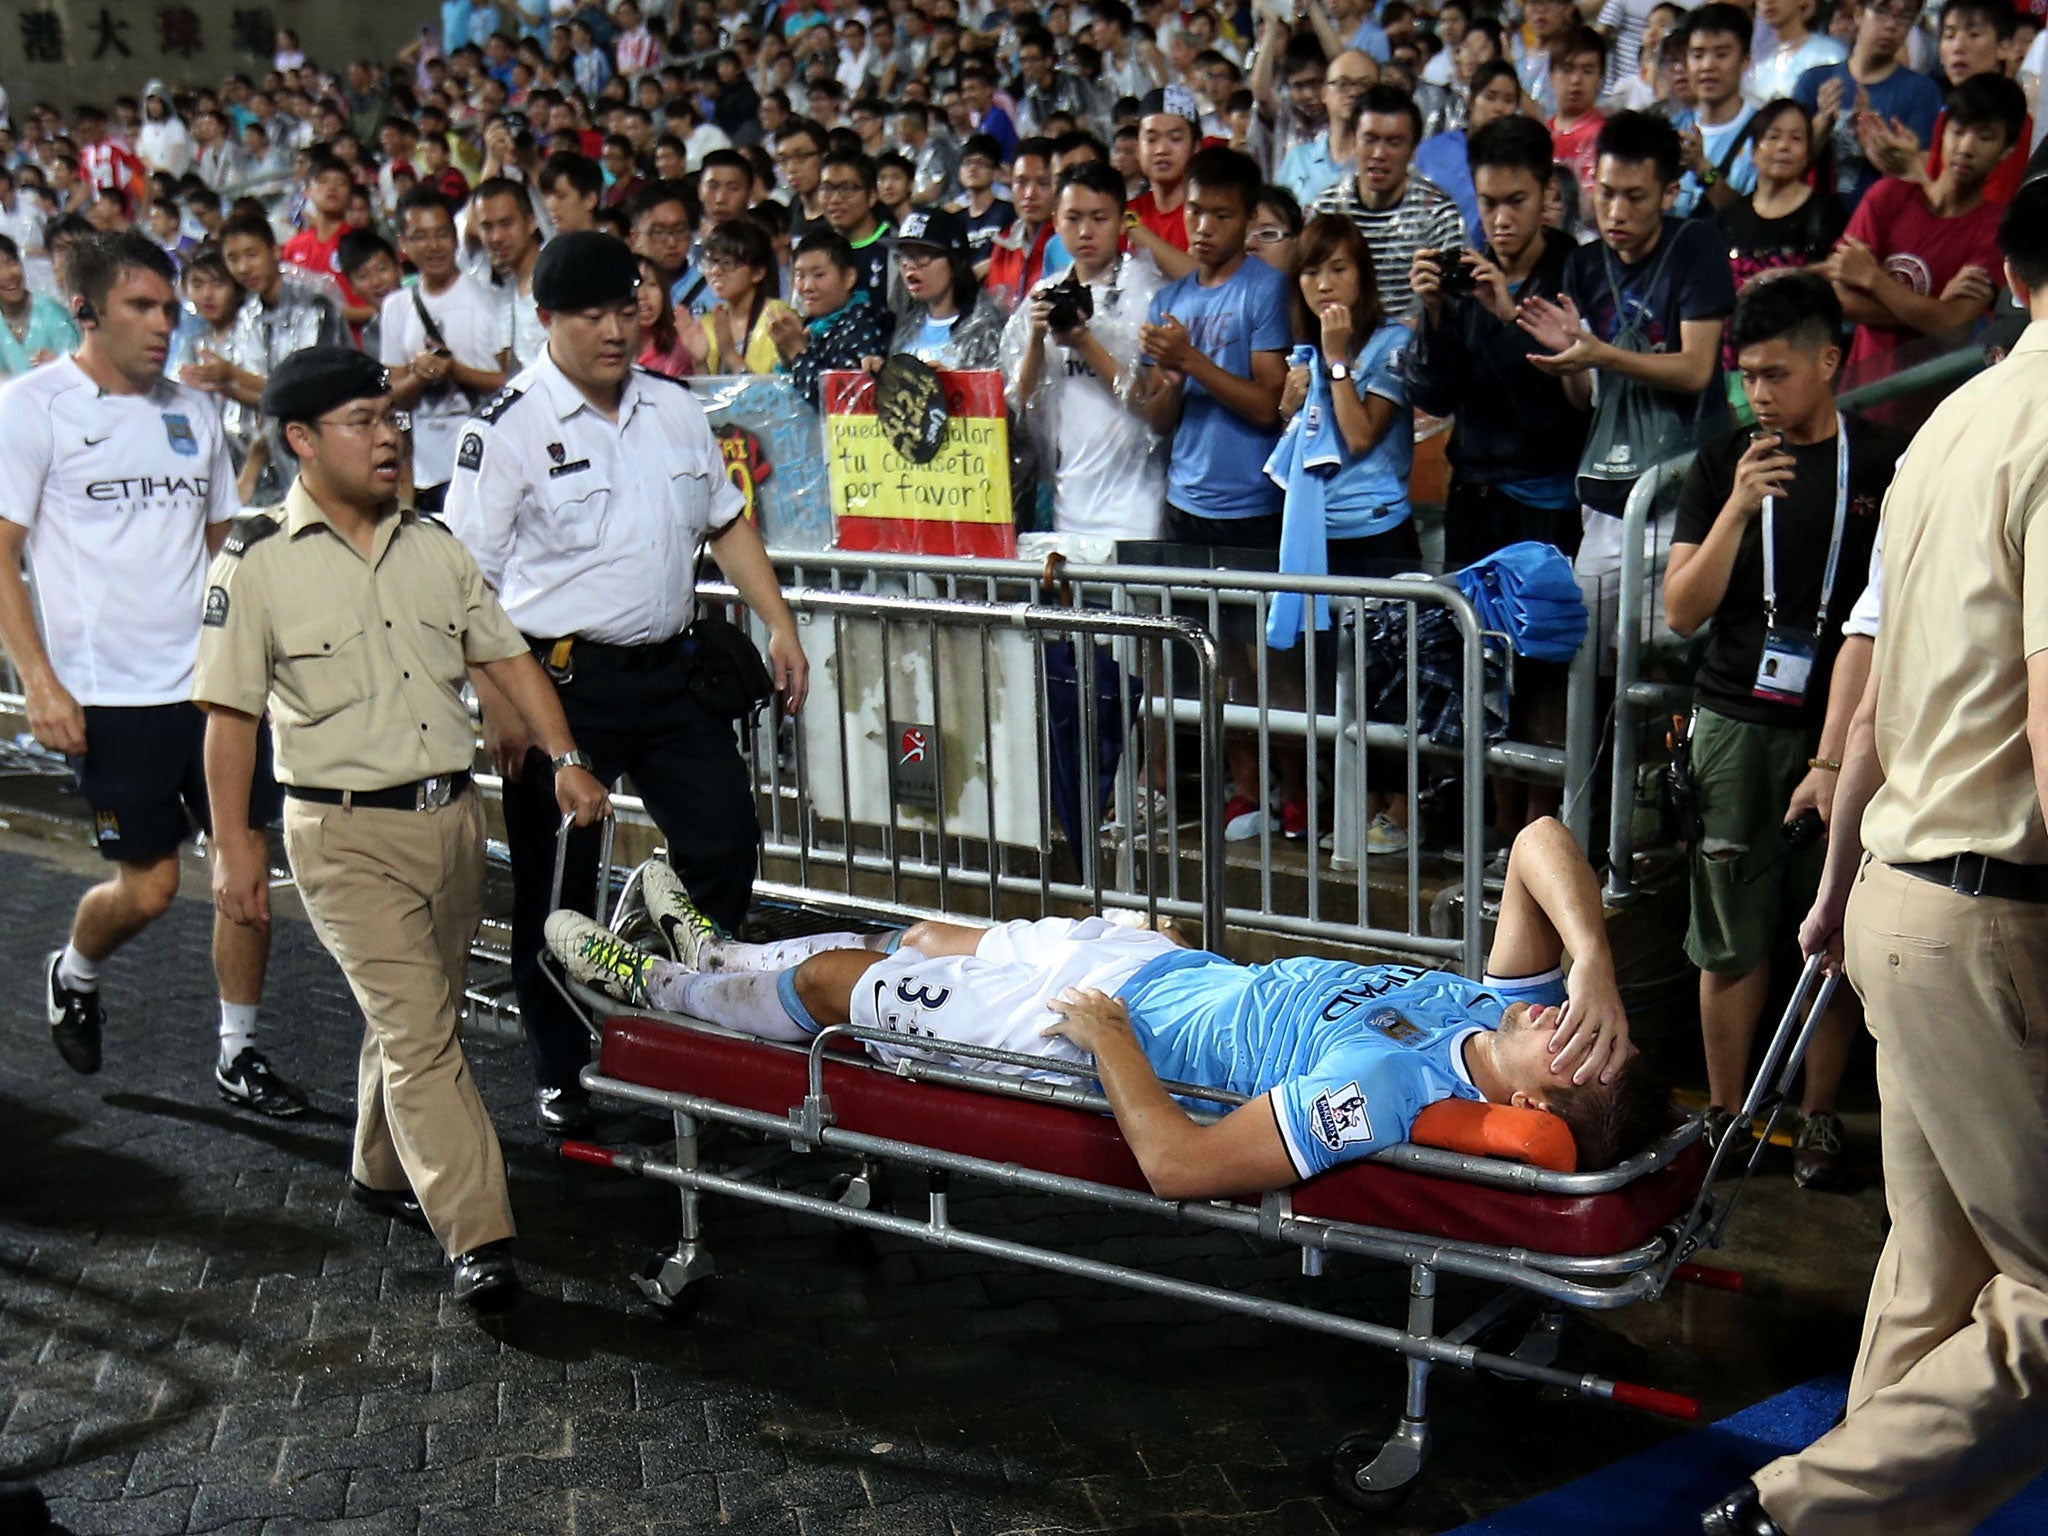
point(116, 492)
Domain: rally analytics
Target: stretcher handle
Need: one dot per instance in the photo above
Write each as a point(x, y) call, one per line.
point(604, 862)
point(1672, 1405)
point(1773, 1082)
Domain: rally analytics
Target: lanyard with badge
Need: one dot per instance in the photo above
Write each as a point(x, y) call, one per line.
point(1785, 669)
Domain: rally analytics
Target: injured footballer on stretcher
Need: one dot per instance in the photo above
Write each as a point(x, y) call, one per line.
point(1336, 1058)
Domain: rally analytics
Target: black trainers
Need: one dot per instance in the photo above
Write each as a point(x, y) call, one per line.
point(1817, 1154)
point(249, 1081)
point(75, 1020)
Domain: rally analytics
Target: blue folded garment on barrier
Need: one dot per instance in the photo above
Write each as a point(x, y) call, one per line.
point(1529, 593)
point(1308, 454)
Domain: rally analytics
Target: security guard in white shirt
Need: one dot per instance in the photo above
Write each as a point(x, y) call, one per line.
point(587, 490)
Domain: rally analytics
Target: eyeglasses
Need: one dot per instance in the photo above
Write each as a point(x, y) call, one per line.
point(918, 258)
point(1268, 236)
point(842, 188)
point(361, 421)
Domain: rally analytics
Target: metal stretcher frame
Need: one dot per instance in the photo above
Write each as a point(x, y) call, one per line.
point(1371, 1471)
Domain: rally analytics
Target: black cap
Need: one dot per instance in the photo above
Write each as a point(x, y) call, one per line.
point(315, 380)
point(582, 269)
point(934, 227)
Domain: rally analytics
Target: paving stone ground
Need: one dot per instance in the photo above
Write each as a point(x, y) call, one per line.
point(199, 1333)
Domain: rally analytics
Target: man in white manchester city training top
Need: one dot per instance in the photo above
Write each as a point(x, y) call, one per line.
point(117, 489)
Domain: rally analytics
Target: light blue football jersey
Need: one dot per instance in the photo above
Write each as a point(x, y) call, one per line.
point(1350, 1053)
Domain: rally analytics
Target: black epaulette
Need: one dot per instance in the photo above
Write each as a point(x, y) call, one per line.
point(250, 529)
point(432, 520)
point(499, 404)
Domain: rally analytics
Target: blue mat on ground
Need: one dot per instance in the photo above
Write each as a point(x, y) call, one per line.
point(1662, 1491)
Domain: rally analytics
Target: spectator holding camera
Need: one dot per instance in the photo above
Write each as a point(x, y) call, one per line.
point(1515, 454)
point(1772, 544)
point(1070, 368)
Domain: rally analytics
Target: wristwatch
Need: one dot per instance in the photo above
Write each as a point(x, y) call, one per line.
point(1340, 371)
point(576, 759)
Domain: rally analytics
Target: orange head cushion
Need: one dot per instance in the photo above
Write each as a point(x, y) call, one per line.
point(1531, 1136)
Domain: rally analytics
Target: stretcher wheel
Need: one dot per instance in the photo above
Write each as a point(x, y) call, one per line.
point(673, 1282)
point(1376, 1473)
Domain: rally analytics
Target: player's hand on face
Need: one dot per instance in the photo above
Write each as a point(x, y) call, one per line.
point(1084, 1016)
point(1590, 1038)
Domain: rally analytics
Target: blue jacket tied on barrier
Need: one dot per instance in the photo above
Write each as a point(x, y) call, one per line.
point(1309, 454)
point(1528, 593)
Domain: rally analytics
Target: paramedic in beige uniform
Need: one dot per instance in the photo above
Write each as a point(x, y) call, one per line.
point(1946, 938)
point(353, 623)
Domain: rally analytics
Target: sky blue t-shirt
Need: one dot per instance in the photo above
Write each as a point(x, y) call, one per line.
point(1218, 464)
point(1370, 495)
point(1718, 143)
point(1904, 94)
point(1350, 1053)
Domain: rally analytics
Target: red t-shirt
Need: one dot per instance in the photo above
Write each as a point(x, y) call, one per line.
point(307, 251)
point(1172, 227)
point(1576, 147)
point(2006, 176)
point(1920, 249)
point(1014, 269)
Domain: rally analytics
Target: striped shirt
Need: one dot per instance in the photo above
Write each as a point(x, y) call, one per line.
point(1425, 219)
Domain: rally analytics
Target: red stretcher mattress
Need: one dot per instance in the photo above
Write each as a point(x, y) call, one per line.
point(1081, 1144)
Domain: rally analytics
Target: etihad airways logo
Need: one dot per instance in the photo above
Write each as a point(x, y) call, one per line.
point(141, 487)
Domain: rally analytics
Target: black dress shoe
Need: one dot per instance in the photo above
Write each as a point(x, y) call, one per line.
point(563, 1111)
point(396, 1204)
point(22, 1510)
point(1741, 1513)
point(485, 1278)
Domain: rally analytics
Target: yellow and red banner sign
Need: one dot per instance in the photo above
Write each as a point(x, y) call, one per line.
point(958, 504)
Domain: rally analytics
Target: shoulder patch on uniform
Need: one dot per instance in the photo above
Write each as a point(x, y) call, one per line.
point(216, 615)
point(499, 403)
point(250, 529)
point(471, 454)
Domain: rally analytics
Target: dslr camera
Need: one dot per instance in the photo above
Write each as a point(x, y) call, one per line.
point(1453, 272)
point(1073, 305)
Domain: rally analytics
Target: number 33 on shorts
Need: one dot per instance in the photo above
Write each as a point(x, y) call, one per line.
point(916, 999)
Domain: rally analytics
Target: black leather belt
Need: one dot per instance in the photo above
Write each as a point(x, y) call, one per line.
point(420, 795)
point(1972, 874)
point(651, 657)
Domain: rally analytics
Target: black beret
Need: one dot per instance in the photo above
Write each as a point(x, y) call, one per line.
point(582, 269)
point(313, 381)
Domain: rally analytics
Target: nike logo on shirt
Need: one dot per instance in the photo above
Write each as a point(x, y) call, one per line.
point(94, 442)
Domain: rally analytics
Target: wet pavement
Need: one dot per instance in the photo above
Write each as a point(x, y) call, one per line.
point(199, 1333)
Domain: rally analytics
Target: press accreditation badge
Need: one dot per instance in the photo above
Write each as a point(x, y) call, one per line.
point(1786, 667)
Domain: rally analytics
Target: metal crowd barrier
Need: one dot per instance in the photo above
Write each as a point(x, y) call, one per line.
point(1310, 699)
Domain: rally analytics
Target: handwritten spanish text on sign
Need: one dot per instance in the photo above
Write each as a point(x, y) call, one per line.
point(959, 503)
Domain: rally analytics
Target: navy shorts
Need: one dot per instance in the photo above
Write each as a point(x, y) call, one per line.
point(144, 775)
